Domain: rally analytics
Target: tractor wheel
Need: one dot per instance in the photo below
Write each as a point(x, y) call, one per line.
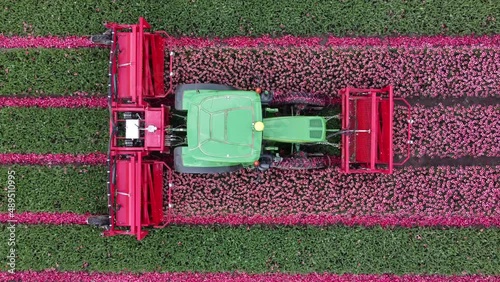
point(179, 92)
point(307, 99)
point(104, 39)
point(98, 220)
point(266, 97)
point(306, 163)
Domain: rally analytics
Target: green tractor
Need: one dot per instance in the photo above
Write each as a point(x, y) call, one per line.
point(227, 129)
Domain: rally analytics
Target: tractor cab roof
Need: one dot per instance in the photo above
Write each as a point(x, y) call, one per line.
point(221, 125)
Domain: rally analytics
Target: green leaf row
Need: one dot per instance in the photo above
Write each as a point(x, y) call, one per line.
point(79, 189)
point(53, 130)
point(259, 249)
point(38, 72)
point(276, 17)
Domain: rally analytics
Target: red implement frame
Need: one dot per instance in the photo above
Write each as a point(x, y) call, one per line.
point(367, 119)
point(136, 88)
point(135, 186)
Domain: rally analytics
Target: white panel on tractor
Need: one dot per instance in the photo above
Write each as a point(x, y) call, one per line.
point(132, 129)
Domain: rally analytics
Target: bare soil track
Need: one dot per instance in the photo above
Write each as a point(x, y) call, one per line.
point(465, 101)
point(463, 161)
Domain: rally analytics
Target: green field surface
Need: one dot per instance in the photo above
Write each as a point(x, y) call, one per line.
point(79, 189)
point(53, 130)
point(39, 72)
point(260, 249)
point(275, 17)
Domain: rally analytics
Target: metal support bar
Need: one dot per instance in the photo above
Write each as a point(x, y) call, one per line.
point(373, 133)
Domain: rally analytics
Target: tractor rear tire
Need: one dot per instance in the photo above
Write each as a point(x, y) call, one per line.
point(98, 220)
point(179, 92)
point(300, 98)
point(179, 166)
point(103, 39)
point(302, 163)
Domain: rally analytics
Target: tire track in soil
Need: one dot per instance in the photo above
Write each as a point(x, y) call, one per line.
point(464, 101)
point(463, 161)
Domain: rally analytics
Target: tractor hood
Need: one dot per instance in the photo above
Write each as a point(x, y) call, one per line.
point(220, 125)
point(295, 129)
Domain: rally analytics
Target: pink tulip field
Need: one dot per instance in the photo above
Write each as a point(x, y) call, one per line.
point(457, 131)
point(414, 72)
point(413, 196)
point(436, 218)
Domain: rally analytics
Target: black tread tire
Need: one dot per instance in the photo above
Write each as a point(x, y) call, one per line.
point(179, 92)
point(300, 98)
point(98, 220)
point(301, 163)
point(104, 39)
point(179, 166)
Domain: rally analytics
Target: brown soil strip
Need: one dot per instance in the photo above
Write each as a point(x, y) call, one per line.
point(465, 101)
point(463, 161)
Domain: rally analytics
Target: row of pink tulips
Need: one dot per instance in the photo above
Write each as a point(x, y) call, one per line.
point(83, 276)
point(414, 72)
point(414, 193)
point(80, 101)
point(52, 159)
point(285, 41)
point(44, 42)
point(45, 218)
point(320, 219)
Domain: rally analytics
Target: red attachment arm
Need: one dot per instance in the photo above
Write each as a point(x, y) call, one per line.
point(136, 195)
point(135, 187)
point(141, 63)
point(367, 120)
